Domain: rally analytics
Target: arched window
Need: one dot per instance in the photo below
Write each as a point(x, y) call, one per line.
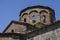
point(12, 31)
point(33, 19)
point(44, 18)
point(24, 19)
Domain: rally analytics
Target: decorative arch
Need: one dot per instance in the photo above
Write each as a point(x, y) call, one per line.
point(33, 11)
point(24, 14)
point(43, 11)
point(43, 14)
point(24, 17)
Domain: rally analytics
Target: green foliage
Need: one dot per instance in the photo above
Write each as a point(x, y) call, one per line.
point(38, 25)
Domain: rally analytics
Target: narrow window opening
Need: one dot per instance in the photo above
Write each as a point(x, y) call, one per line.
point(25, 20)
point(12, 31)
point(44, 18)
point(33, 19)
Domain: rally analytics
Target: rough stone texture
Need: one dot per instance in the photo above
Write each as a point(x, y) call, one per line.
point(39, 13)
point(46, 34)
point(49, 33)
point(16, 28)
point(8, 38)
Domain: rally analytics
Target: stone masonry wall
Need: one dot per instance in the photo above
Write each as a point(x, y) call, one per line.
point(39, 13)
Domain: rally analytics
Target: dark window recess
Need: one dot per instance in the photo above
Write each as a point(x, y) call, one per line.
point(44, 18)
point(33, 19)
point(12, 31)
point(25, 20)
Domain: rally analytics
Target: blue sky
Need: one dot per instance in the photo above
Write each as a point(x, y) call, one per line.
point(9, 9)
